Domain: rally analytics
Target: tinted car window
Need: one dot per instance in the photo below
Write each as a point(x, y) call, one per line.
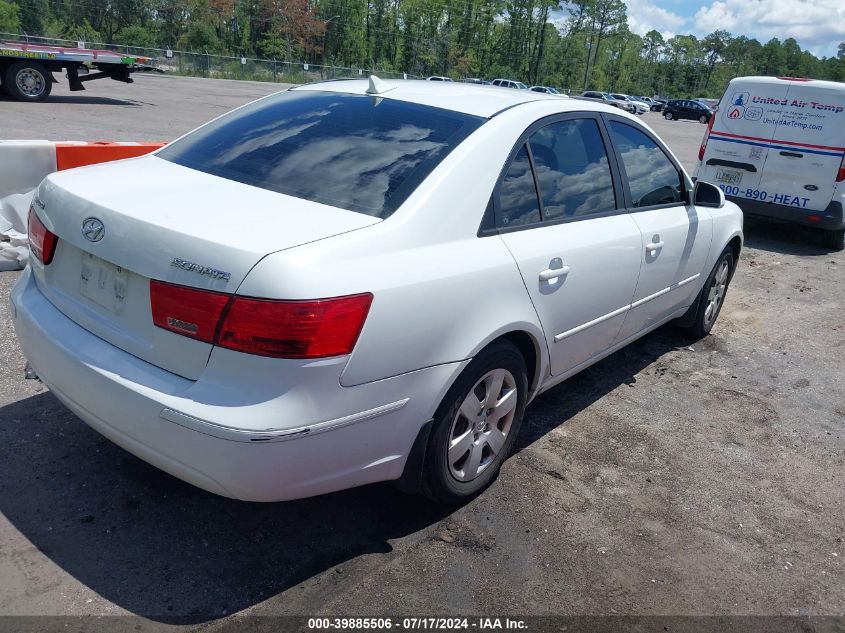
point(652, 177)
point(517, 195)
point(572, 170)
point(348, 151)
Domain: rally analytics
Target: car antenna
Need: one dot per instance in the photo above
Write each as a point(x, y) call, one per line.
point(377, 86)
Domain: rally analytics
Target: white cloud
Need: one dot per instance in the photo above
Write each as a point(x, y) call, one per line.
point(644, 16)
point(818, 25)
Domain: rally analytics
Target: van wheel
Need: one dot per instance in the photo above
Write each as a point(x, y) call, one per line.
point(668, 116)
point(835, 239)
point(703, 313)
point(475, 425)
point(28, 81)
point(702, 119)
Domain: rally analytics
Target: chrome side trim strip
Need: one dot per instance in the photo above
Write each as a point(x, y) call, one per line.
point(275, 435)
point(584, 326)
point(636, 304)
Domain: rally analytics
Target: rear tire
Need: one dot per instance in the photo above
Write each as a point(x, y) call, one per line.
point(28, 81)
point(668, 116)
point(703, 313)
point(835, 239)
point(703, 119)
point(475, 426)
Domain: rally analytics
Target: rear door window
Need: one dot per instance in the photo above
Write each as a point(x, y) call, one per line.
point(354, 152)
point(517, 194)
point(572, 169)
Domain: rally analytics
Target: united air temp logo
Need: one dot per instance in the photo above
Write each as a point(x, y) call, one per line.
point(736, 110)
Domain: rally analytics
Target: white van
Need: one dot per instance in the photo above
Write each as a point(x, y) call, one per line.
point(776, 147)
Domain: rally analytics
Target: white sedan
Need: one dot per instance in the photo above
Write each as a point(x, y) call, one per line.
point(352, 281)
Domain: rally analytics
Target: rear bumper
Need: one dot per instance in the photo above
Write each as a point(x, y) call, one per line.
point(311, 437)
point(831, 218)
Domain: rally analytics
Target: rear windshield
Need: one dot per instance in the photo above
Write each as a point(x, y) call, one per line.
point(356, 152)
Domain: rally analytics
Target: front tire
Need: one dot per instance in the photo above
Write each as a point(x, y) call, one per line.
point(475, 425)
point(835, 240)
point(668, 116)
point(703, 119)
point(28, 81)
point(711, 298)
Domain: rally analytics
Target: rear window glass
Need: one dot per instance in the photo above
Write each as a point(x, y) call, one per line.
point(356, 152)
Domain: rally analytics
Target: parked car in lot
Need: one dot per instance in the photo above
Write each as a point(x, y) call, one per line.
point(776, 147)
point(686, 109)
point(546, 89)
point(509, 83)
point(710, 104)
point(640, 107)
point(603, 97)
point(658, 105)
point(285, 301)
point(439, 78)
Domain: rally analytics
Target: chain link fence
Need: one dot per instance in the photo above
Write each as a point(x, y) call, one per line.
point(193, 64)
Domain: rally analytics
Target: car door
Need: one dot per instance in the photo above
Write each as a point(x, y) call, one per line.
point(675, 234)
point(557, 211)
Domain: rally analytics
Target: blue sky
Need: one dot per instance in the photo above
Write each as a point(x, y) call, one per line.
point(817, 25)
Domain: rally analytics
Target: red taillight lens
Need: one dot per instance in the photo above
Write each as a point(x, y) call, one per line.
point(42, 243)
point(706, 137)
point(187, 311)
point(294, 329)
point(840, 175)
point(266, 327)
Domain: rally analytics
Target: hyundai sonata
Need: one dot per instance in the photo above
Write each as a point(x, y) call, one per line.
point(358, 281)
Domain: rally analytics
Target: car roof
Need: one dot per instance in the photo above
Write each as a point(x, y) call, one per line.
point(473, 99)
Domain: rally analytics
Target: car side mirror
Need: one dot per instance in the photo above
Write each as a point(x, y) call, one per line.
point(706, 195)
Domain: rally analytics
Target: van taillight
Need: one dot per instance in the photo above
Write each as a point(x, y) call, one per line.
point(42, 243)
point(706, 137)
point(840, 175)
point(266, 327)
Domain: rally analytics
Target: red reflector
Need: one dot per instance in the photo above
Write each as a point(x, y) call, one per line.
point(840, 175)
point(706, 137)
point(814, 218)
point(42, 243)
point(294, 329)
point(187, 311)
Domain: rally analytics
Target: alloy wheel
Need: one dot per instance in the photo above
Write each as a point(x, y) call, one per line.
point(482, 424)
point(716, 294)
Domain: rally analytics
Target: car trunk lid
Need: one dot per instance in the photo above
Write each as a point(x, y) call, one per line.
point(197, 230)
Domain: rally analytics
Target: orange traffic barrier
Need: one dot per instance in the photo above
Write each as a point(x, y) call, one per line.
point(69, 155)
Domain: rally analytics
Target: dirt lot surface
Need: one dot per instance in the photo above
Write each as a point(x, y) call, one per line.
point(686, 478)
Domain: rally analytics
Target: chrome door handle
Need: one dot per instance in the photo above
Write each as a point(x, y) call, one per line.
point(653, 246)
point(554, 273)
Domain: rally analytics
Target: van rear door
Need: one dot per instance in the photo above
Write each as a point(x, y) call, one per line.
point(740, 138)
point(806, 152)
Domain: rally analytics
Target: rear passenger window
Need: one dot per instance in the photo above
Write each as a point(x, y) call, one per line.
point(572, 170)
point(652, 177)
point(517, 203)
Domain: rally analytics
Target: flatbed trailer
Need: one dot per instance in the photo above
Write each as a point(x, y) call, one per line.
point(26, 70)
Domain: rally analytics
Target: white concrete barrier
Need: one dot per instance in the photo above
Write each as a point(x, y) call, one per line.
point(24, 164)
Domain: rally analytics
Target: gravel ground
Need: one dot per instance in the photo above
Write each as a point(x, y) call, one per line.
point(670, 479)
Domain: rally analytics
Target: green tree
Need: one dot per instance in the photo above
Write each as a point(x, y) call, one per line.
point(10, 21)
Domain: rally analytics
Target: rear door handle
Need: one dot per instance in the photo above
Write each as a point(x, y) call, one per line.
point(554, 273)
point(792, 154)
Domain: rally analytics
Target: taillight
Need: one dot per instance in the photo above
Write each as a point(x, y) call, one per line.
point(42, 243)
point(706, 137)
point(294, 329)
point(187, 311)
point(266, 327)
point(840, 175)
